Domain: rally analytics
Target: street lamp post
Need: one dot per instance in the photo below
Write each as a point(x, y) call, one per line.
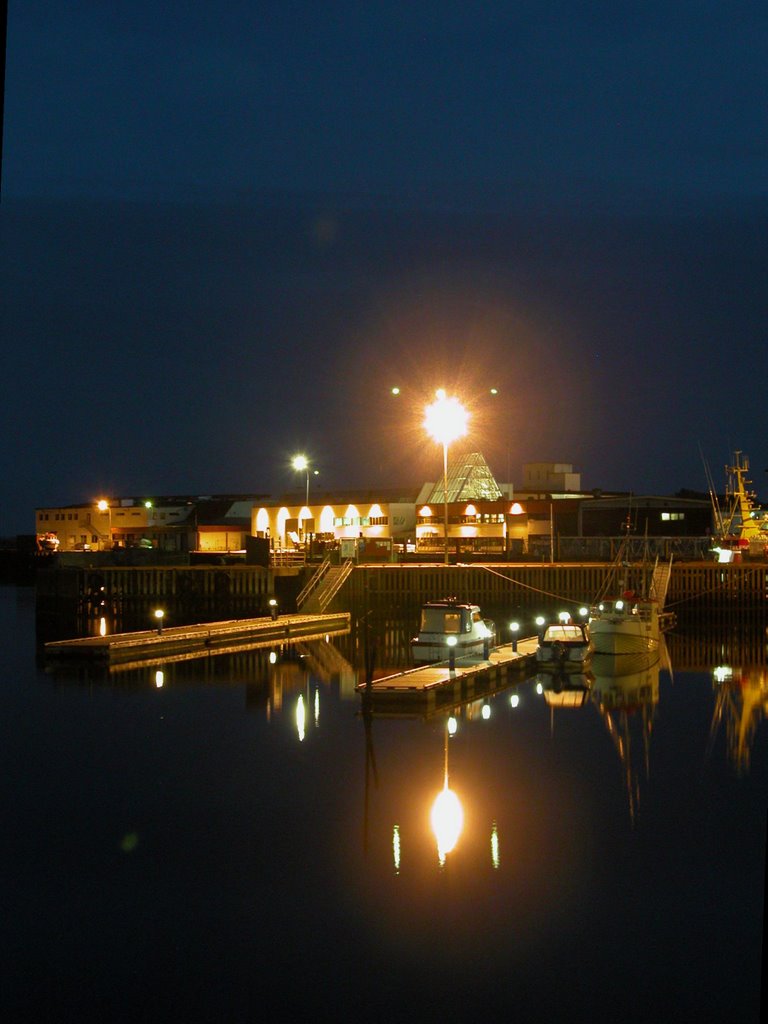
point(103, 506)
point(301, 464)
point(445, 421)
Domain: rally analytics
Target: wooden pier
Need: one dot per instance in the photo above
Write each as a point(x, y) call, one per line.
point(181, 642)
point(430, 689)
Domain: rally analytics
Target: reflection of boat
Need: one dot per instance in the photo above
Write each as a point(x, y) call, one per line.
point(564, 647)
point(626, 694)
point(448, 620)
point(741, 700)
point(742, 528)
point(631, 621)
point(565, 689)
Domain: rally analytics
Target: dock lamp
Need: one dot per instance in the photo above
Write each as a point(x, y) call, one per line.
point(273, 608)
point(540, 622)
point(159, 615)
point(451, 641)
point(515, 628)
point(445, 421)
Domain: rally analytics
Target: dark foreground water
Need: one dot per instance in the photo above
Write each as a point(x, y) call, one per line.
point(227, 842)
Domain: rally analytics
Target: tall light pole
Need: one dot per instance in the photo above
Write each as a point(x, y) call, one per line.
point(103, 506)
point(301, 464)
point(445, 420)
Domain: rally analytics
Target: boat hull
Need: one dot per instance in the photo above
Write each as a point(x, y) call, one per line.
point(438, 650)
point(573, 659)
point(623, 640)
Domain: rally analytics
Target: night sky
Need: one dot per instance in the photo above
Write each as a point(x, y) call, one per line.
point(228, 230)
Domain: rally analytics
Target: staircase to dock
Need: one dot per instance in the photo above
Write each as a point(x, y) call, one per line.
point(660, 582)
point(323, 587)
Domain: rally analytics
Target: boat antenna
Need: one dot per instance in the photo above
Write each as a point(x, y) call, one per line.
point(716, 510)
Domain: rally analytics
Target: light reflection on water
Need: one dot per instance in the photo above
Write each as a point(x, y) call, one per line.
point(611, 851)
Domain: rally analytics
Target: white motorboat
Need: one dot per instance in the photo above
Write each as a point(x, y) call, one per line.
point(564, 647)
point(452, 625)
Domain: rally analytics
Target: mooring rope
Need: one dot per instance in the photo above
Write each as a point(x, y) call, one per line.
point(537, 590)
point(712, 590)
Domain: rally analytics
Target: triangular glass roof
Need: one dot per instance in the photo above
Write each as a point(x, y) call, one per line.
point(469, 479)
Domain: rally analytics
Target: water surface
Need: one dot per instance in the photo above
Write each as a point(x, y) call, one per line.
point(230, 837)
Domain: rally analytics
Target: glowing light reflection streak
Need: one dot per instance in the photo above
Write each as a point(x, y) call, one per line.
point(301, 717)
point(396, 848)
point(447, 817)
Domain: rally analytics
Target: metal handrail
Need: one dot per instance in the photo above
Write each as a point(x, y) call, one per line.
point(314, 581)
point(289, 557)
point(327, 596)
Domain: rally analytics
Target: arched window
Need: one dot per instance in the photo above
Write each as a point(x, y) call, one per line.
point(282, 515)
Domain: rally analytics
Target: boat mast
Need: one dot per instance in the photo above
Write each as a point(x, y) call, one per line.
point(742, 499)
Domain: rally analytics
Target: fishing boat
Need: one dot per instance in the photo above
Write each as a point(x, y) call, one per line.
point(629, 620)
point(451, 625)
point(625, 625)
point(564, 646)
point(741, 529)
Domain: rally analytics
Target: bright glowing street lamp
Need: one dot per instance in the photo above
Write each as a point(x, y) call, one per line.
point(445, 421)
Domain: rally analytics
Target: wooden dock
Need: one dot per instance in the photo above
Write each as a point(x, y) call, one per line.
point(433, 688)
point(181, 642)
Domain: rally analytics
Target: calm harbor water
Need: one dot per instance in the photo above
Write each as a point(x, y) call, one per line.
point(228, 841)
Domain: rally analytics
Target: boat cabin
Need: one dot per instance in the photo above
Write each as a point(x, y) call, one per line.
point(565, 632)
point(449, 618)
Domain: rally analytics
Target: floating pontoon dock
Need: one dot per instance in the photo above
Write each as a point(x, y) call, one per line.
point(176, 642)
point(430, 688)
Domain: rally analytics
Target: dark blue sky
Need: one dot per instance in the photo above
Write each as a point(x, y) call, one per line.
point(226, 231)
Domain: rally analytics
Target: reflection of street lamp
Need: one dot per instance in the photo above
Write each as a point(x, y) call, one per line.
point(447, 815)
point(445, 421)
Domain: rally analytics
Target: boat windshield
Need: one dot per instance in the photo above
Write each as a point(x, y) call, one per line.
point(438, 620)
point(564, 632)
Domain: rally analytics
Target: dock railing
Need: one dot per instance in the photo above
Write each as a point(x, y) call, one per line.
point(334, 583)
point(314, 582)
